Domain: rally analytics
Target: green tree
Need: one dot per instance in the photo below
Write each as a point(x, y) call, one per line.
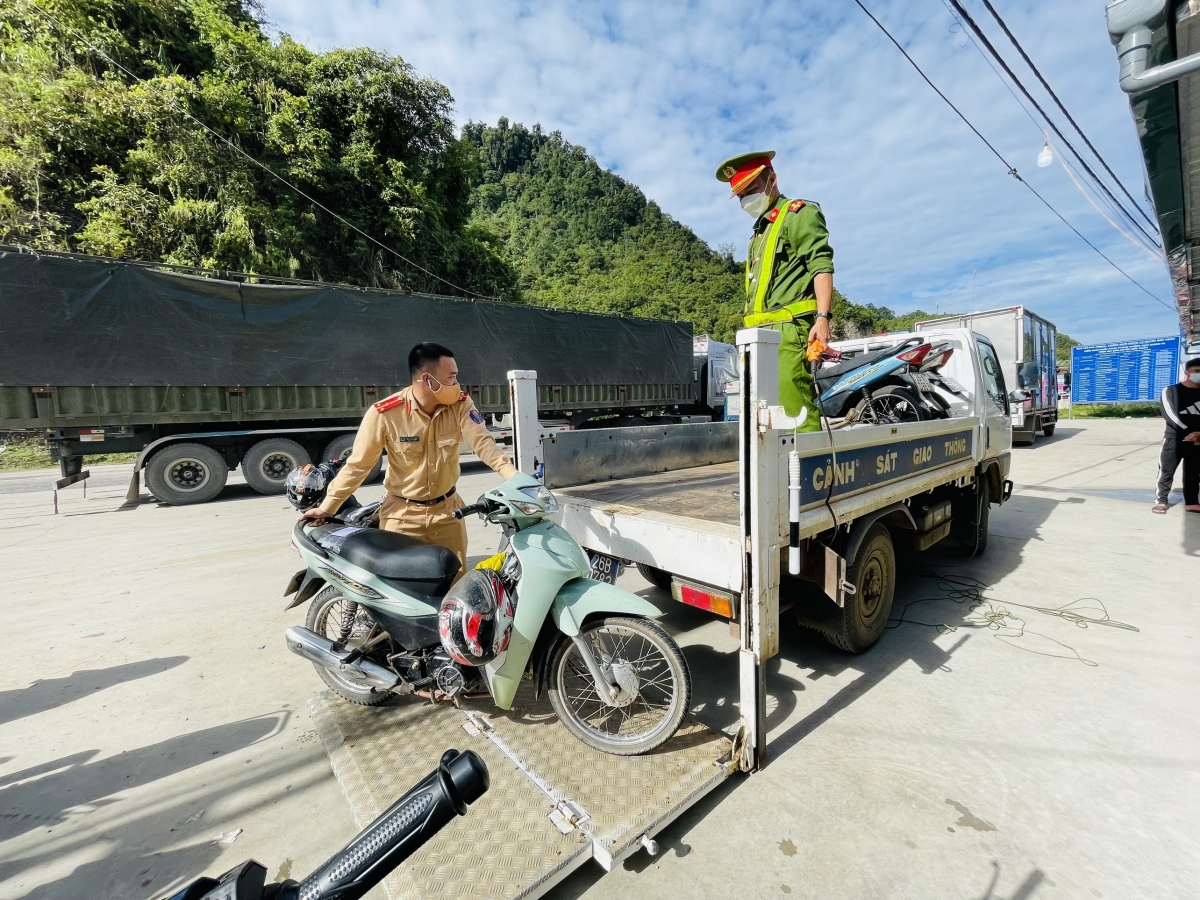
point(98, 160)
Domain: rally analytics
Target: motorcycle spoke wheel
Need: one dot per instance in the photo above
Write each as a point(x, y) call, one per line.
point(325, 616)
point(654, 679)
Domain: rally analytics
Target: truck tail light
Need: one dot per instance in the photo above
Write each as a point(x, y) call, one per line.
point(916, 355)
point(703, 598)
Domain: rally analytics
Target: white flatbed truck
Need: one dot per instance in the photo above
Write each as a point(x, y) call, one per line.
point(705, 505)
point(704, 509)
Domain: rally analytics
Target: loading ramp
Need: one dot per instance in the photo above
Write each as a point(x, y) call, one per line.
point(554, 802)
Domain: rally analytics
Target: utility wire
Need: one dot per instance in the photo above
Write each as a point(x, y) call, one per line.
point(966, 16)
point(1059, 103)
point(1118, 212)
point(1075, 181)
point(220, 137)
point(1011, 171)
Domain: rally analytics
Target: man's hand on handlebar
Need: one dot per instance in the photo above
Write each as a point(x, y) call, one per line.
point(317, 515)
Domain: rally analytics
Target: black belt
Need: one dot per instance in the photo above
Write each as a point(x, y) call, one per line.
point(449, 493)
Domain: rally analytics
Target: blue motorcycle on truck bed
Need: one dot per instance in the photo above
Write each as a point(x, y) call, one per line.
point(895, 384)
point(386, 617)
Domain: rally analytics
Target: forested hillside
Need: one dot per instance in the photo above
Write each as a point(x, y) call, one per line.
point(104, 149)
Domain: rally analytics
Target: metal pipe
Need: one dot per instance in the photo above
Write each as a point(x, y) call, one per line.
point(323, 652)
point(610, 690)
point(1133, 50)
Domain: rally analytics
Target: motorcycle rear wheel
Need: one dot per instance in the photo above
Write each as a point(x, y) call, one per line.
point(642, 654)
point(325, 618)
point(890, 404)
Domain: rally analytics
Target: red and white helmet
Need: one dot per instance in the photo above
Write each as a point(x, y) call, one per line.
point(475, 619)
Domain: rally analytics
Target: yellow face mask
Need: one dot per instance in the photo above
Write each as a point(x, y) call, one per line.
point(444, 394)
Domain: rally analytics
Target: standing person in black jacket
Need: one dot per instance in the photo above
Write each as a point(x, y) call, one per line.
point(1181, 408)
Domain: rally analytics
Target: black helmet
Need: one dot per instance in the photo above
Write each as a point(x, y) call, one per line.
point(475, 621)
point(306, 485)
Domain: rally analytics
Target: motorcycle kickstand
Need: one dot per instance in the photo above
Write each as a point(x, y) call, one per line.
point(593, 666)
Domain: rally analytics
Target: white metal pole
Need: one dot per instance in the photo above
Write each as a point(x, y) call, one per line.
point(761, 495)
point(527, 446)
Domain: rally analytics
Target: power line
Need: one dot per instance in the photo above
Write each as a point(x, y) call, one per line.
point(1059, 103)
point(1118, 212)
point(170, 102)
point(958, 7)
point(1011, 171)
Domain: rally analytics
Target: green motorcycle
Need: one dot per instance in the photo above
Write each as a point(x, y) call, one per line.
point(386, 617)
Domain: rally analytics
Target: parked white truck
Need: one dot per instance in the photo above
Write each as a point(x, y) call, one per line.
point(1028, 348)
point(703, 509)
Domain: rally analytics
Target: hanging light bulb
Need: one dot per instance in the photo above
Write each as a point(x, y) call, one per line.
point(1045, 157)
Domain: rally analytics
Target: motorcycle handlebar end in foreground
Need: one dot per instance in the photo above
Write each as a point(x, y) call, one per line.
point(459, 780)
point(464, 511)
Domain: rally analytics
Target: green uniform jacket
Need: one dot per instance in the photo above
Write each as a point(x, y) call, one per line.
point(802, 252)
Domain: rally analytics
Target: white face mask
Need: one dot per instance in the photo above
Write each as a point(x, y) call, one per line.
point(755, 204)
point(1194, 377)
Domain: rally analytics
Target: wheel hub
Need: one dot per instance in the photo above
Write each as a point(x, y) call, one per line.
point(188, 474)
point(277, 466)
point(627, 681)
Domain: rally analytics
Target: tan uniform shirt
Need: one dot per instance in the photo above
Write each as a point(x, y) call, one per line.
point(422, 449)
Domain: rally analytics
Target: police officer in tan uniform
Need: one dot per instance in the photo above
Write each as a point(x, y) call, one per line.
point(421, 428)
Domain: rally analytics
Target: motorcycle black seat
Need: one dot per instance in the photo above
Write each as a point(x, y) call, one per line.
point(388, 555)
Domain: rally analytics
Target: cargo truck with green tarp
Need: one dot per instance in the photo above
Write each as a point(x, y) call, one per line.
point(199, 375)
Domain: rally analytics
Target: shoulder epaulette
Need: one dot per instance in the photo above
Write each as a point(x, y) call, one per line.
point(389, 403)
point(463, 396)
point(773, 215)
point(796, 206)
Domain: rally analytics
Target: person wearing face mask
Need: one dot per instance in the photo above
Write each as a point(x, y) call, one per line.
point(421, 428)
point(1181, 408)
point(789, 274)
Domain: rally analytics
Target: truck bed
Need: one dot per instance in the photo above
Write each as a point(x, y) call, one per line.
point(704, 493)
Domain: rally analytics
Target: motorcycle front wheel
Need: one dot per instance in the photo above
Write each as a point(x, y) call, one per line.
point(327, 617)
point(656, 687)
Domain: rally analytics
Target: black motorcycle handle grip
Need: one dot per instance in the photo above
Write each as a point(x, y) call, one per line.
point(464, 511)
point(459, 779)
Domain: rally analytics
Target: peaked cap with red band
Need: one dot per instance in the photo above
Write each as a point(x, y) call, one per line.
point(741, 170)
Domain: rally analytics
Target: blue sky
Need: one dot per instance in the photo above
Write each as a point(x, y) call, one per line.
point(918, 208)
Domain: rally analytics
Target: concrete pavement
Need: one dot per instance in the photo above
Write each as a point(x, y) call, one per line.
point(1028, 729)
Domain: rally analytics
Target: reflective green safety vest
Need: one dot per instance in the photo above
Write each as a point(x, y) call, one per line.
point(758, 314)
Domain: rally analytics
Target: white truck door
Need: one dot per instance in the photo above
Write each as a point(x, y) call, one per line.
point(993, 400)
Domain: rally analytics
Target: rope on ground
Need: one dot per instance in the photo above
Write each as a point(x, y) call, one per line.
point(986, 612)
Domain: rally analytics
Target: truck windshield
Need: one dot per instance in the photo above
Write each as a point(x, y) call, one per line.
point(993, 378)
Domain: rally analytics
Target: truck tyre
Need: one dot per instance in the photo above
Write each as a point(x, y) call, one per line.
point(873, 574)
point(1048, 429)
point(978, 540)
point(657, 577)
point(186, 473)
point(266, 465)
point(340, 444)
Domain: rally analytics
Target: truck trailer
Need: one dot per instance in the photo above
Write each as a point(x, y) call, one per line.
point(199, 375)
point(1027, 346)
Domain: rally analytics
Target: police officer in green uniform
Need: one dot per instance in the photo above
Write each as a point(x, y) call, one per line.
point(789, 274)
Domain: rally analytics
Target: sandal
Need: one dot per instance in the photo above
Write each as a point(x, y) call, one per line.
point(1159, 509)
point(1193, 507)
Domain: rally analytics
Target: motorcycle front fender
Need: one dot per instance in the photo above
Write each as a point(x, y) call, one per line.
point(583, 597)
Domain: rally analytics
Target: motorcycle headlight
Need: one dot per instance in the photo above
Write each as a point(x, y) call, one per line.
point(542, 495)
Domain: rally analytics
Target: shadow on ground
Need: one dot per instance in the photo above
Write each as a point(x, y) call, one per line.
point(54, 692)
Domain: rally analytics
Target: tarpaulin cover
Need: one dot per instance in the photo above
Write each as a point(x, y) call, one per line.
point(66, 321)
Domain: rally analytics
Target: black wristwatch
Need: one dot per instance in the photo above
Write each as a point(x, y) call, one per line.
point(825, 315)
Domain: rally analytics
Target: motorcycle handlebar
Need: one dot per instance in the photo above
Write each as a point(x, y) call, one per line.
point(481, 507)
point(459, 780)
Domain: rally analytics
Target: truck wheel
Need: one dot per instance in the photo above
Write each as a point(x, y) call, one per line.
point(340, 445)
point(657, 577)
point(866, 612)
point(1048, 429)
point(977, 542)
point(266, 465)
point(186, 473)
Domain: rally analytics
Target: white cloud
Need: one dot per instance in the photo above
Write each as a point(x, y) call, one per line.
point(660, 93)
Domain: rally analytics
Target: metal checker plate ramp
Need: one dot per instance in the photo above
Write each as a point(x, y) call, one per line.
point(626, 796)
point(504, 848)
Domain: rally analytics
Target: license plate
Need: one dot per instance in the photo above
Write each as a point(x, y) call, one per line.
point(922, 381)
point(605, 568)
